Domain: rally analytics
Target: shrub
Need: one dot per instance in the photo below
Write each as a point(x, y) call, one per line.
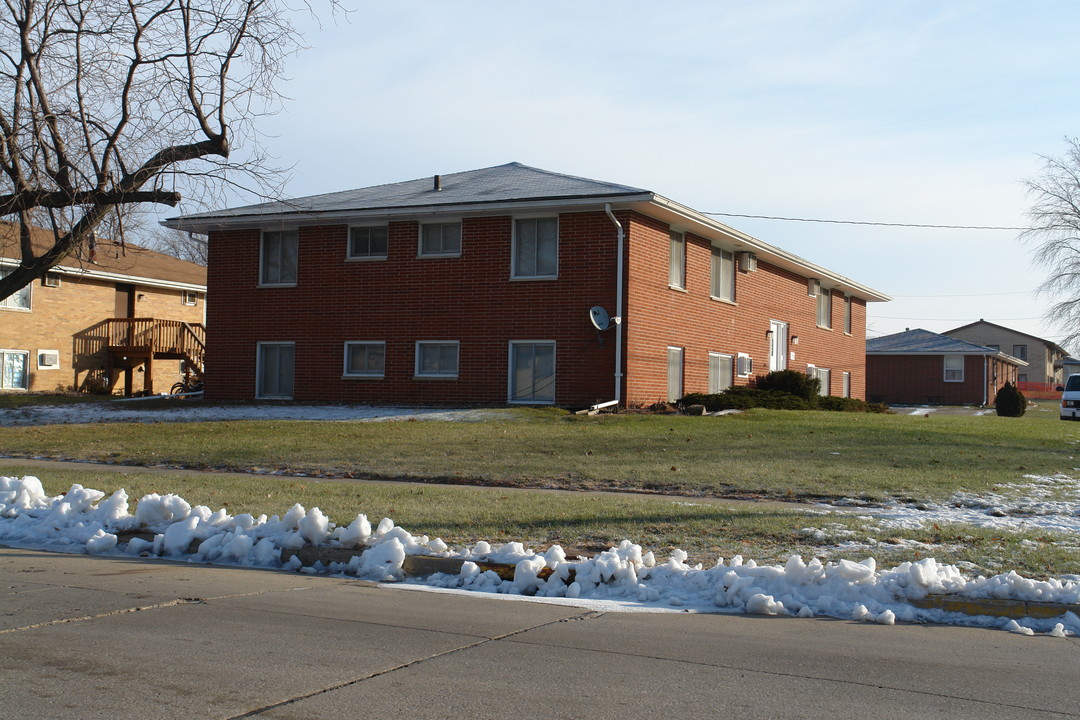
point(793, 383)
point(1010, 402)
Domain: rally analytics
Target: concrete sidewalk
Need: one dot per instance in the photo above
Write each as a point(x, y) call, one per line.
point(85, 637)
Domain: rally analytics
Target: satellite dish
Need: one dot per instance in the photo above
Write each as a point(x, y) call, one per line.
point(599, 318)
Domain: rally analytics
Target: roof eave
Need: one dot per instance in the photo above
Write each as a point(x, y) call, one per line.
point(205, 224)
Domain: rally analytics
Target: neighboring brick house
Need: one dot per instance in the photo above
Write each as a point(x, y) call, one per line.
point(478, 287)
point(123, 321)
point(919, 367)
point(1044, 358)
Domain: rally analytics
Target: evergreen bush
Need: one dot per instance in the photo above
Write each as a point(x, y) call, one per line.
point(792, 382)
point(1010, 402)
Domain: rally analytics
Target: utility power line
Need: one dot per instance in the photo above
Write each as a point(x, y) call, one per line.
point(867, 222)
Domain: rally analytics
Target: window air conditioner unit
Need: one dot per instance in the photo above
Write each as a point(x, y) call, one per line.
point(813, 287)
point(747, 262)
point(746, 365)
point(48, 360)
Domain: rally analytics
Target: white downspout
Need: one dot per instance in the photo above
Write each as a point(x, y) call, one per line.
point(618, 305)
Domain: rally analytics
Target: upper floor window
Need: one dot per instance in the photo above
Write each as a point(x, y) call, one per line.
point(440, 239)
point(367, 243)
point(19, 300)
point(847, 315)
point(824, 308)
point(535, 250)
point(278, 257)
point(677, 268)
point(723, 274)
point(189, 297)
point(1020, 352)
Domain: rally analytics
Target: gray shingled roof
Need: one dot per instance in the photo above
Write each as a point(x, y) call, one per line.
point(502, 183)
point(924, 341)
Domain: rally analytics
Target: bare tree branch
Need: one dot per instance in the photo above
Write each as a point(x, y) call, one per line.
point(100, 100)
point(1055, 234)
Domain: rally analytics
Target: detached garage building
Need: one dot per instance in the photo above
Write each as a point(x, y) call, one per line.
point(919, 367)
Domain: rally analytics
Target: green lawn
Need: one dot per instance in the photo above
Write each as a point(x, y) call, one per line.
point(762, 453)
point(780, 455)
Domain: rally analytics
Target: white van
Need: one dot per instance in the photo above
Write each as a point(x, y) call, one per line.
point(1070, 398)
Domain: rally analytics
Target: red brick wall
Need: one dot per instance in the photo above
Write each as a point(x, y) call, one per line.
point(661, 316)
point(472, 299)
point(404, 299)
point(920, 380)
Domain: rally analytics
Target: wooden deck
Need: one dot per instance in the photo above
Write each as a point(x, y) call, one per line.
point(149, 339)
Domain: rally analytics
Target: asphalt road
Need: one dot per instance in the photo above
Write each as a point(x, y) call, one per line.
point(100, 637)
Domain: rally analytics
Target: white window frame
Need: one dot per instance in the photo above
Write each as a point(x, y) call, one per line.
point(514, 250)
point(442, 254)
point(677, 261)
point(369, 256)
point(676, 373)
point(845, 389)
point(189, 297)
point(51, 280)
point(12, 301)
point(26, 369)
point(958, 374)
point(714, 371)
point(532, 400)
point(723, 269)
point(345, 373)
point(824, 308)
point(263, 282)
point(419, 373)
point(259, 347)
point(822, 374)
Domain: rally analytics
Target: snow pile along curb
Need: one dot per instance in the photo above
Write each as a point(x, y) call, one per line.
point(85, 520)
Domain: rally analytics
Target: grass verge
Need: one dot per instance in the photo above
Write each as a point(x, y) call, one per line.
point(762, 453)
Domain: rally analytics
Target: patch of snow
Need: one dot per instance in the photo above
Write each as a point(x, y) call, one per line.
point(196, 412)
point(621, 577)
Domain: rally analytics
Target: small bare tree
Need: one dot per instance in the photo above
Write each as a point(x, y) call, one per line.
point(1055, 232)
point(105, 104)
point(183, 245)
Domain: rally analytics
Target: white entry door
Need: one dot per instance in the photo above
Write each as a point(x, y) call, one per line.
point(777, 345)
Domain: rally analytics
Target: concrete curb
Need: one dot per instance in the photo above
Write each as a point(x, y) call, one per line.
point(993, 607)
point(421, 565)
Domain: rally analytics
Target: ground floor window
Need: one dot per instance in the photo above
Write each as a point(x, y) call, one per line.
point(13, 364)
point(847, 384)
point(275, 370)
point(365, 359)
point(532, 372)
point(720, 372)
point(822, 374)
point(437, 358)
point(674, 373)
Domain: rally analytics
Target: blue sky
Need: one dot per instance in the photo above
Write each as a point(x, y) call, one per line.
point(910, 112)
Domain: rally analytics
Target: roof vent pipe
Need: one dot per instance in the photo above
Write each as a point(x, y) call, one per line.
point(438, 183)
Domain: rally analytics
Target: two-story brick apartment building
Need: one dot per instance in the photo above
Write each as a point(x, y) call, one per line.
point(120, 321)
point(497, 285)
